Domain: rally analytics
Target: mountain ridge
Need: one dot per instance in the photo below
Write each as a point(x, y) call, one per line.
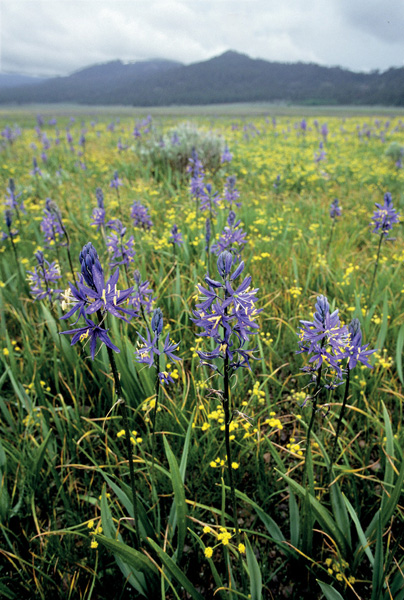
point(229, 77)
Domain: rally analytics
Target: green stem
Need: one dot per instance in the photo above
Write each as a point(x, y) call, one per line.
point(374, 272)
point(311, 423)
point(341, 415)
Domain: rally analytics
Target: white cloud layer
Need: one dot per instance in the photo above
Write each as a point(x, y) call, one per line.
point(57, 37)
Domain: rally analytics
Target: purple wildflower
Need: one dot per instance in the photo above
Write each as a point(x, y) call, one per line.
point(36, 170)
point(140, 216)
point(176, 236)
point(323, 338)
point(209, 199)
point(195, 169)
point(353, 351)
point(91, 332)
point(232, 235)
point(42, 278)
point(386, 216)
point(51, 224)
point(99, 212)
point(142, 297)
point(335, 209)
point(12, 197)
point(229, 319)
point(124, 251)
point(115, 181)
point(231, 194)
point(226, 156)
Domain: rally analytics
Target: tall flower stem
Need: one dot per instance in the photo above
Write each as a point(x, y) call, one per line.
point(227, 421)
point(154, 414)
point(341, 416)
point(67, 248)
point(311, 423)
point(330, 238)
point(375, 270)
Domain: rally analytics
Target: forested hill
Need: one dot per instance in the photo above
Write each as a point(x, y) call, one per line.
point(231, 77)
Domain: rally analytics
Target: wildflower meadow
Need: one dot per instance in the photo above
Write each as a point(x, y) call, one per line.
point(202, 329)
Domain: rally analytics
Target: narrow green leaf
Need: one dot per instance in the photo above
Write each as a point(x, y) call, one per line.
point(175, 571)
point(378, 567)
point(399, 353)
point(179, 499)
point(131, 563)
point(136, 560)
point(361, 535)
point(323, 515)
point(329, 592)
point(294, 519)
point(340, 511)
point(254, 572)
point(269, 523)
point(38, 459)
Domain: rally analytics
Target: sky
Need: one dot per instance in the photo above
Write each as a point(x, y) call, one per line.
point(58, 37)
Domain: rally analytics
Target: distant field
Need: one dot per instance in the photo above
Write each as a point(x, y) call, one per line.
point(213, 110)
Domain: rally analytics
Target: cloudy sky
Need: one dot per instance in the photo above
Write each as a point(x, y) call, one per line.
point(57, 37)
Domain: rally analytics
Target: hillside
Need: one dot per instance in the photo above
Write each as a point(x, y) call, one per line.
point(231, 77)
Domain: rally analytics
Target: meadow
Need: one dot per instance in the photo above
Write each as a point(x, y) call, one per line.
point(183, 413)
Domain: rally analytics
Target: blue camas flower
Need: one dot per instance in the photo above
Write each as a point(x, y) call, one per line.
point(232, 237)
point(324, 339)
point(95, 295)
point(335, 209)
point(42, 279)
point(354, 351)
point(149, 349)
point(91, 332)
point(227, 316)
point(140, 216)
point(99, 212)
point(385, 217)
point(122, 252)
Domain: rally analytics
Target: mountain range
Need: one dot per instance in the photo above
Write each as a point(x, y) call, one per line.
point(230, 77)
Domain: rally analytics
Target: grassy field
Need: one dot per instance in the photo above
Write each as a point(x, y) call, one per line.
point(268, 461)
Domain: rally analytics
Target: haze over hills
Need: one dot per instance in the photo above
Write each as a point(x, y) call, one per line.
point(231, 77)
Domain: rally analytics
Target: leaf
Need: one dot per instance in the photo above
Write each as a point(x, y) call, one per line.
point(361, 535)
point(340, 511)
point(294, 519)
point(399, 353)
point(378, 567)
point(124, 493)
point(132, 563)
point(175, 571)
point(38, 460)
point(254, 572)
point(323, 515)
point(269, 523)
point(179, 499)
point(329, 592)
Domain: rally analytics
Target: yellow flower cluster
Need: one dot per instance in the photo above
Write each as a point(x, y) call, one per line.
point(294, 446)
point(98, 529)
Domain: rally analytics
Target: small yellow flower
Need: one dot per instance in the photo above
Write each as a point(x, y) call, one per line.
point(241, 548)
point(208, 552)
point(94, 544)
point(6, 351)
point(235, 465)
point(206, 529)
point(120, 433)
point(90, 524)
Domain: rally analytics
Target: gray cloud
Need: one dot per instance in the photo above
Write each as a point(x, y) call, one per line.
point(60, 36)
